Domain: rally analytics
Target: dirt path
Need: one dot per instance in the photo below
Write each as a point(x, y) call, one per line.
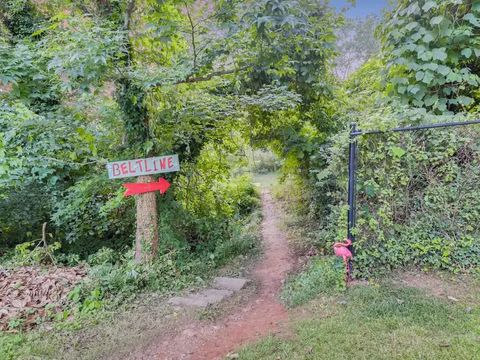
point(261, 316)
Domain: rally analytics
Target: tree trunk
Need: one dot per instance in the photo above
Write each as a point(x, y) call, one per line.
point(146, 238)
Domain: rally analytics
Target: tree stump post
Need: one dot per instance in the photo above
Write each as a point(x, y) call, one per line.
point(146, 236)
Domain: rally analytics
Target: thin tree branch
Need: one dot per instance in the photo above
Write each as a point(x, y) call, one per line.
point(192, 34)
point(210, 76)
point(128, 15)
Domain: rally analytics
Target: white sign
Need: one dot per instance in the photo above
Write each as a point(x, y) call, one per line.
point(150, 166)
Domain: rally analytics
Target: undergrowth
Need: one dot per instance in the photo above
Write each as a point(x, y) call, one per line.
point(324, 275)
point(114, 279)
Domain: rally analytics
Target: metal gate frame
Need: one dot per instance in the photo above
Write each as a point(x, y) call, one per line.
point(352, 165)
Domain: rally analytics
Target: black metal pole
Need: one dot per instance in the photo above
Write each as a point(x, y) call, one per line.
point(352, 168)
point(413, 128)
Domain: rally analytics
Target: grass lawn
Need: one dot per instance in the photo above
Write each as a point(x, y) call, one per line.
point(386, 320)
point(265, 181)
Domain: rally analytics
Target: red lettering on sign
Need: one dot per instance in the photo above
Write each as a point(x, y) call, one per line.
point(137, 167)
point(115, 169)
point(163, 164)
point(147, 169)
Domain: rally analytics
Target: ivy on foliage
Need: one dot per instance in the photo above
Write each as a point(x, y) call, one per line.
point(432, 49)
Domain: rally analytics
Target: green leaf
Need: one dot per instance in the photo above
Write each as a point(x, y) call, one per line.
point(436, 20)
point(430, 66)
point(148, 146)
point(411, 26)
point(428, 37)
point(444, 70)
point(397, 151)
point(472, 19)
point(426, 56)
point(467, 52)
point(476, 5)
point(429, 5)
point(453, 77)
point(465, 100)
point(370, 190)
point(419, 75)
point(413, 89)
point(427, 79)
point(430, 100)
point(439, 54)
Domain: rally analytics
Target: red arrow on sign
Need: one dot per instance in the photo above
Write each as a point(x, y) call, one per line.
point(139, 188)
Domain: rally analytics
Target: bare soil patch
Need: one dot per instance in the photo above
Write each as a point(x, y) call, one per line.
point(442, 285)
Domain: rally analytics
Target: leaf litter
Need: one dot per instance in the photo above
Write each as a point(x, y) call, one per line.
point(30, 294)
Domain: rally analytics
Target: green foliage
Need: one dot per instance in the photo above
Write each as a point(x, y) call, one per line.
point(433, 51)
point(356, 44)
point(93, 213)
point(416, 195)
point(92, 82)
point(20, 17)
point(79, 50)
point(35, 253)
point(324, 275)
point(40, 156)
point(114, 277)
point(417, 198)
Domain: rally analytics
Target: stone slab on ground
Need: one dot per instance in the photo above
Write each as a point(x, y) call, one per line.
point(201, 299)
point(229, 283)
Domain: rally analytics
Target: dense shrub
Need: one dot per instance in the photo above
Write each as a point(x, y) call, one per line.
point(418, 202)
point(93, 213)
point(418, 199)
point(114, 276)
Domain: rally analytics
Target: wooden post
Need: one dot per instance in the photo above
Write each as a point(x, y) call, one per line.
point(146, 237)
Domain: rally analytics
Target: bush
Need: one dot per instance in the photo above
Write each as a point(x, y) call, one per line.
point(114, 277)
point(94, 214)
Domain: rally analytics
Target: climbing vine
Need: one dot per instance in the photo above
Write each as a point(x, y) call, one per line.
point(432, 50)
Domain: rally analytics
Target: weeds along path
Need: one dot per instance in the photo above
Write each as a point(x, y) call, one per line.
point(260, 316)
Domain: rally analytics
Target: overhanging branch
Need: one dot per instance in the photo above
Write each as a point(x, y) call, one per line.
point(210, 76)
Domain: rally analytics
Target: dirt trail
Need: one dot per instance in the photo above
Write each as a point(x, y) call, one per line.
point(261, 316)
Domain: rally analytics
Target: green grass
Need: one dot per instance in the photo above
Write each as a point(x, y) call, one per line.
point(266, 181)
point(323, 275)
point(378, 322)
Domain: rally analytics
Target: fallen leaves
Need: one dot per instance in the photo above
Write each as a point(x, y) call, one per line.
point(28, 294)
